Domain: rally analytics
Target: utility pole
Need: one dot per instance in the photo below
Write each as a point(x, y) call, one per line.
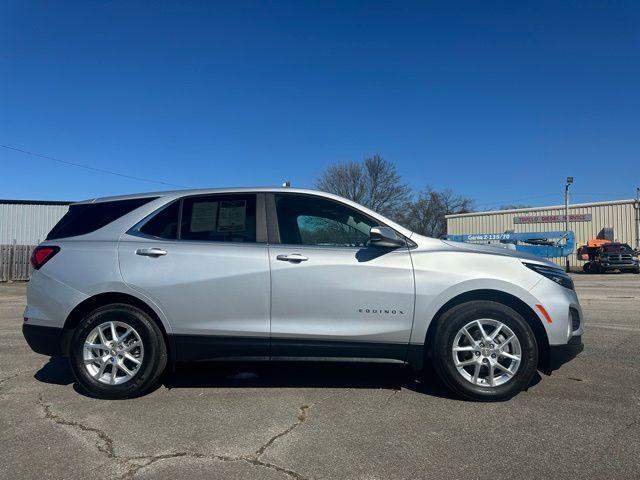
point(566, 211)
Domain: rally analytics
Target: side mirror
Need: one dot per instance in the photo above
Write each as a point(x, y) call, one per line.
point(385, 237)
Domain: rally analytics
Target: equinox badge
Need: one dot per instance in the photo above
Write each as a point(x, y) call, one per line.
point(381, 311)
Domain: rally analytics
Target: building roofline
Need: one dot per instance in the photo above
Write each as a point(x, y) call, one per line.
point(538, 209)
point(33, 202)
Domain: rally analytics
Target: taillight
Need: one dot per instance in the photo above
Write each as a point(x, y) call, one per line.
point(42, 255)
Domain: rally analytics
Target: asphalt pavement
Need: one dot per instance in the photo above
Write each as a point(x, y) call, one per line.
point(296, 421)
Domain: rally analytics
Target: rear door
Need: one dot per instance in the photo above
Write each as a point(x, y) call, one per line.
point(204, 261)
point(332, 295)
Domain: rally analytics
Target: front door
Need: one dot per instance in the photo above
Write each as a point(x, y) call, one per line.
point(332, 295)
point(209, 273)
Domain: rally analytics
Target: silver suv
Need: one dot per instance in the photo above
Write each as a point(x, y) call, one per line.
point(125, 285)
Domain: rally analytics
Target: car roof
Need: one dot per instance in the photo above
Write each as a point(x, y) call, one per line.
point(204, 191)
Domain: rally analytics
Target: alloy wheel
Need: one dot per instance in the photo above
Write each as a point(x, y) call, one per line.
point(113, 352)
point(486, 352)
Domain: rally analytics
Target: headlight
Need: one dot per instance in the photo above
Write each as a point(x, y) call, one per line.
point(556, 274)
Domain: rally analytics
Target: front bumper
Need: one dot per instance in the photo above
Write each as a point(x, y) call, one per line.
point(43, 340)
point(563, 329)
point(561, 354)
point(620, 266)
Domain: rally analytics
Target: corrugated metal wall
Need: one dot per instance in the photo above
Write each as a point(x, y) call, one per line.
point(28, 223)
point(620, 215)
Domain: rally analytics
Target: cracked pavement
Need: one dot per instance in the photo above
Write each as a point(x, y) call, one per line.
point(302, 422)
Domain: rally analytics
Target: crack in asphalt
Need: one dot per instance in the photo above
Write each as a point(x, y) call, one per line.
point(622, 431)
point(393, 393)
point(151, 459)
point(302, 417)
point(10, 377)
point(133, 469)
point(105, 444)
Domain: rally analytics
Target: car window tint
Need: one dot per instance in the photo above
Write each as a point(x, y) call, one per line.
point(219, 218)
point(163, 224)
point(308, 220)
point(85, 218)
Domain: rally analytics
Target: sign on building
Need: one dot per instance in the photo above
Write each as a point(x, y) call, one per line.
point(576, 217)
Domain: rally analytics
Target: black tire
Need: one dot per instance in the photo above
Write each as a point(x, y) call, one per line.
point(153, 363)
point(636, 270)
point(457, 317)
point(586, 268)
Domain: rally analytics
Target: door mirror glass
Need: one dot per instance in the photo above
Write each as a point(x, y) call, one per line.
point(385, 237)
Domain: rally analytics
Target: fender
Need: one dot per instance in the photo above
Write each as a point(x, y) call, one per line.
point(428, 305)
point(121, 288)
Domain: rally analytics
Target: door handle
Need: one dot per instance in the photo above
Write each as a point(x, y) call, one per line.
point(151, 252)
point(292, 257)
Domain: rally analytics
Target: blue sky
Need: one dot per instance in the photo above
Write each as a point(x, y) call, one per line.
point(498, 101)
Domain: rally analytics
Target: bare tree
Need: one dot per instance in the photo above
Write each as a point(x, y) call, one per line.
point(373, 183)
point(426, 214)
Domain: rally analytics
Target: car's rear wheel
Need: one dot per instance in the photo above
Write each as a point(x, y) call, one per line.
point(117, 351)
point(484, 350)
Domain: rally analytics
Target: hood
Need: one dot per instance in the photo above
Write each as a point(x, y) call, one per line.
point(491, 250)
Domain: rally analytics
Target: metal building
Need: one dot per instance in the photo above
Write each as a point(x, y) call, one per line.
point(24, 224)
point(27, 222)
point(587, 220)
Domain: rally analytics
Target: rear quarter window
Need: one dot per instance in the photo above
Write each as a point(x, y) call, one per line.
point(85, 218)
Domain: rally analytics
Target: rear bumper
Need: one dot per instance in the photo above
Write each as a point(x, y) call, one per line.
point(43, 340)
point(561, 354)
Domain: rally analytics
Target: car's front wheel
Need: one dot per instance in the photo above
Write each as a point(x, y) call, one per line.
point(484, 350)
point(117, 351)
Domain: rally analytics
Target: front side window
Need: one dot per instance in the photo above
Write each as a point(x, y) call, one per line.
point(308, 220)
point(219, 218)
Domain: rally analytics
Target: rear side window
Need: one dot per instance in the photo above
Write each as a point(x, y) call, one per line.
point(88, 217)
point(219, 218)
point(164, 224)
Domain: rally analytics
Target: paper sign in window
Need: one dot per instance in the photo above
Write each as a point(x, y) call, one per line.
point(203, 217)
point(233, 214)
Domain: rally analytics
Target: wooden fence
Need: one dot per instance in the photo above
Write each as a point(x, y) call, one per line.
point(14, 262)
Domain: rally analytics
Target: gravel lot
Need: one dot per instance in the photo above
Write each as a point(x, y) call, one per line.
point(331, 421)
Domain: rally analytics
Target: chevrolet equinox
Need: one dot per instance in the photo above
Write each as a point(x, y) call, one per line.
point(123, 286)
